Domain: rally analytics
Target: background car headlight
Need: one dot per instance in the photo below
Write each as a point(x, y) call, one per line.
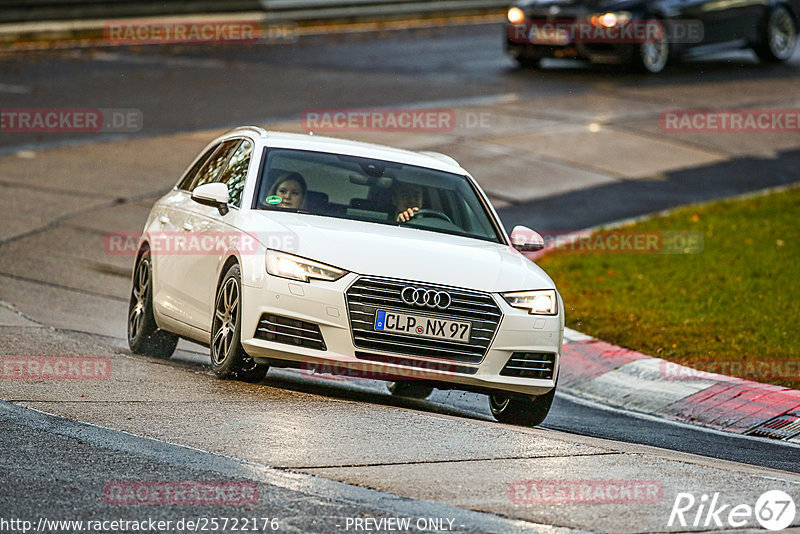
point(611, 19)
point(297, 268)
point(515, 15)
point(542, 302)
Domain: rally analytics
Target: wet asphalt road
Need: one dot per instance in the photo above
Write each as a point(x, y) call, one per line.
point(74, 468)
point(197, 87)
point(192, 88)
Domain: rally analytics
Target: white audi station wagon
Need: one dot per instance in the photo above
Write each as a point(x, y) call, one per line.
point(289, 250)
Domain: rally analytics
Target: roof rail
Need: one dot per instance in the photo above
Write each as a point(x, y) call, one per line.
point(258, 129)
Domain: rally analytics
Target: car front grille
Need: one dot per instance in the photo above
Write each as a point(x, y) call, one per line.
point(290, 331)
point(369, 294)
point(530, 365)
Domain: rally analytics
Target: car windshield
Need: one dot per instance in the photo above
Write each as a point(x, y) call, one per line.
point(376, 191)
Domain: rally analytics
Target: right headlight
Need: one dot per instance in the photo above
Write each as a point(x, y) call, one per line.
point(297, 268)
point(539, 302)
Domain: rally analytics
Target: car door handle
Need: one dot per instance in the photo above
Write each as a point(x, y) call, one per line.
point(188, 226)
point(163, 219)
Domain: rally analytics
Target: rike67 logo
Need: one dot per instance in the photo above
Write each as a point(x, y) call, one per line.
point(774, 510)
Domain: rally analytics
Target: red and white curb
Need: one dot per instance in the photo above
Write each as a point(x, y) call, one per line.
point(598, 371)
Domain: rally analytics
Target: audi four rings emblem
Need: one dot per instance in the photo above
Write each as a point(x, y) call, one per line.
point(426, 297)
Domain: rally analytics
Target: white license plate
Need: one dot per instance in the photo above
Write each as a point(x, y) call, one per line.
point(547, 34)
point(420, 325)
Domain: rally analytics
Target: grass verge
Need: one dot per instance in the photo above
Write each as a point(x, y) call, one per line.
point(732, 308)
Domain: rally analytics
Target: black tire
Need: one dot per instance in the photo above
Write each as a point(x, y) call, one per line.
point(526, 411)
point(529, 62)
point(651, 57)
point(412, 390)
point(228, 358)
point(779, 37)
point(144, 336)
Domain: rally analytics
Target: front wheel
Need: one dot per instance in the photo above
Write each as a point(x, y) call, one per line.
point(652, 56)
point(228, 357)
point(526, 411)
point(779, 37)
point(144, 335)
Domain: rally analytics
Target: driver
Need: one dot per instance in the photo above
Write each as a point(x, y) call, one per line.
point(291, 188)
point(406, 199)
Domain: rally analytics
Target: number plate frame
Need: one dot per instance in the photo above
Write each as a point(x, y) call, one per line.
point(424, 326)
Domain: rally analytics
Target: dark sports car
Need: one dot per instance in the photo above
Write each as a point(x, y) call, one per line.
point(647, 34)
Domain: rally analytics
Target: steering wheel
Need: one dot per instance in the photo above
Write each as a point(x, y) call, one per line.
point(431, 213)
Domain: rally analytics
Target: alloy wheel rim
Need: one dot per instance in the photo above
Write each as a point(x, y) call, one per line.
point(499, 404)
point(781, 34)
point(654, 55)
point(140, 287)
point(225, 317)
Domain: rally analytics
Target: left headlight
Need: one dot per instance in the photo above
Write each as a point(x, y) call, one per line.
point(297, 268)
point(541, 302)
point(516, 15)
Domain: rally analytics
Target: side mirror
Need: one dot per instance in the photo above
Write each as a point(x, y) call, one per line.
point(526, 240)
point(214, 194)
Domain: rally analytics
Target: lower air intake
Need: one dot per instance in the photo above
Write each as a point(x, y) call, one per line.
point(290, 331)
point(530, 365)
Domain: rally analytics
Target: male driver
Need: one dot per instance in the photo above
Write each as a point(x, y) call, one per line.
point(407, 199)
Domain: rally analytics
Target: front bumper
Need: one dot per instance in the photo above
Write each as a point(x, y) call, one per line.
point(324, 304)
point(518, 47)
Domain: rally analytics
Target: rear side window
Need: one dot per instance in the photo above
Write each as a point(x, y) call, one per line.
point(208, 173)
point(235, 173)
point(186, 183)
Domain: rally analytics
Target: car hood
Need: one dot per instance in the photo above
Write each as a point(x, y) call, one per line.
point(399, 252)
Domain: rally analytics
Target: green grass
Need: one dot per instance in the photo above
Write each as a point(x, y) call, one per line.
point(736, 301)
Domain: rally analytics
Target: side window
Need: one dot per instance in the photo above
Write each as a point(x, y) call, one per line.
point(186, 183)
point(235, 174)
point(208, 173)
